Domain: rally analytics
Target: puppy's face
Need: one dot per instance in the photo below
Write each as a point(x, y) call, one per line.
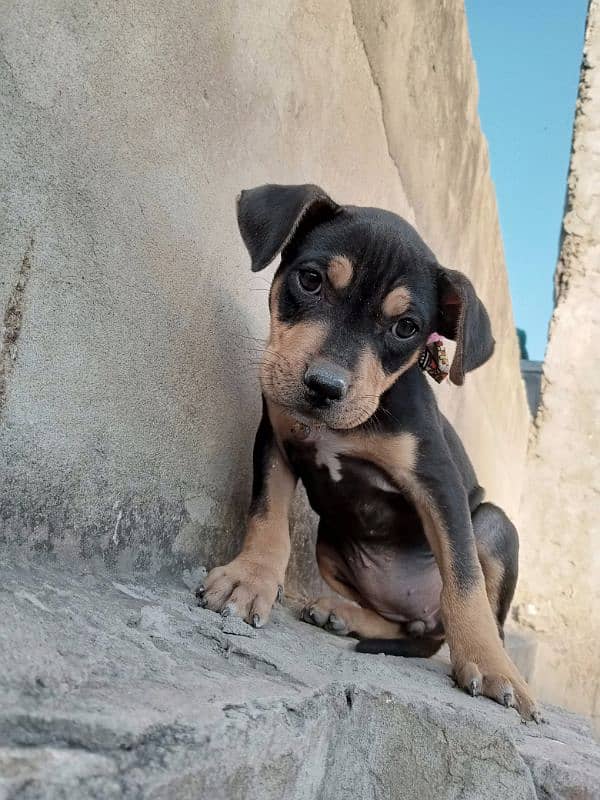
point(352, 304)
point(351, 308)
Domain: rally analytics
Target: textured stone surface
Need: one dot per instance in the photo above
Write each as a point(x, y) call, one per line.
point(559, 593)
point(118, 689)
point(130, 398)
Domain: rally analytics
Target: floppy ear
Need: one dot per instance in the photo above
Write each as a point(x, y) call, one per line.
point(462, 317)
point(270, 215)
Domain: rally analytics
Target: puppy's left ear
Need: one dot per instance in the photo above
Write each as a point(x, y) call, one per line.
point(462, 317)
point(270, 216)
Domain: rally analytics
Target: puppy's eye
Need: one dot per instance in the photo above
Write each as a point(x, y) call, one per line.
point(404, 328)
point(310, 280)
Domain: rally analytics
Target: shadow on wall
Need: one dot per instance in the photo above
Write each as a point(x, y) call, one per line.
point(223, 363)
point(205, 391)
point(532, 376)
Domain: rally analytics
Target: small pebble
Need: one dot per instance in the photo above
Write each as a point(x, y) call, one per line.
point(193, 578)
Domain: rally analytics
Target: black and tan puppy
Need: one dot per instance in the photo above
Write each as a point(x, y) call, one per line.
point(404, 539)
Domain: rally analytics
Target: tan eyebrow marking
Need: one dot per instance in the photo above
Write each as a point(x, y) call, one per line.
point(340, 271)
point(396, 302)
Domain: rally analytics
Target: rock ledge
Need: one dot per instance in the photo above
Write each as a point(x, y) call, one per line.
point(112, 689)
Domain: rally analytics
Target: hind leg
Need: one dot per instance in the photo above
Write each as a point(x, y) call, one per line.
point(348, 619)
point(498, 551)
point(343, 612)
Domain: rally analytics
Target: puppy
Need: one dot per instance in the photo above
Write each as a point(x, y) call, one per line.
point(413, 554)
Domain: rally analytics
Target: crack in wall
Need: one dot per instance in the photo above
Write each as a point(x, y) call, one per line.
point(12, 324)
point(379, 91)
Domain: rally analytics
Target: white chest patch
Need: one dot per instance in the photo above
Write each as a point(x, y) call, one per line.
point(393, 456)
point(329, 448)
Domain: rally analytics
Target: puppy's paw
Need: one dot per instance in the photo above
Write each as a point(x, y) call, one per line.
point(245, 588)
point(497, 678)
point(330, 613)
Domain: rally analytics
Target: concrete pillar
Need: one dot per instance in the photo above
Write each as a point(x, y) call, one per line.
point(559, 593)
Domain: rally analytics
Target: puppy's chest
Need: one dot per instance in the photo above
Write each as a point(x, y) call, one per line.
point(338, 459)
point(357, 501)
point(317, 453)
point(327, 451)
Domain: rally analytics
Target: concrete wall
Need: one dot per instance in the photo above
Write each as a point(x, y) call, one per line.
point(128, 393)
point(559, 593)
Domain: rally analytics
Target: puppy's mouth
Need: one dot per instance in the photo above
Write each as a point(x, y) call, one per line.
point(317, 393)
point(315, 415)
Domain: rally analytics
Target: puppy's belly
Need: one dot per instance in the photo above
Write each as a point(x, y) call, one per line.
point(401, 585)
point(372, 539)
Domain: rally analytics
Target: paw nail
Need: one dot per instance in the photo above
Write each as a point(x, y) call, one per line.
point(279, 596)
point(202, 602)
point(537, 717)
point(256, 621)
point(474, 687)
point(508, 699)
point(227, 611)
point(200, 591)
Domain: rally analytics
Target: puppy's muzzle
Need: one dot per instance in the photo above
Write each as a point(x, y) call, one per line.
point(326, 383)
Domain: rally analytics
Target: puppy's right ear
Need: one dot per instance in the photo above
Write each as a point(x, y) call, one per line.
point(269, 216)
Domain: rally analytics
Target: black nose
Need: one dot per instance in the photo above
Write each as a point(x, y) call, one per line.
point(326, 382)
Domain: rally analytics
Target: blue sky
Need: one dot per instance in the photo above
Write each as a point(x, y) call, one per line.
point(528, 54)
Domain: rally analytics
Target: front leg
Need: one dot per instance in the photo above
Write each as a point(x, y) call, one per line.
point(480, 663)
point(426, 472)
point(249, 585)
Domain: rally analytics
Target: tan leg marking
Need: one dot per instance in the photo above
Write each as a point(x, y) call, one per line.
point(343, 614)
point(349, 619)
point(493, 573)
point(479, 661)
point(248, 586)
point(340, 271)
point(329, 570)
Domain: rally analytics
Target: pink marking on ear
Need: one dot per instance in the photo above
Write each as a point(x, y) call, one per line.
point(434, 337)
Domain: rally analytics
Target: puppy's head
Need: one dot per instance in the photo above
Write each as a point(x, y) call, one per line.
point(352, 304)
